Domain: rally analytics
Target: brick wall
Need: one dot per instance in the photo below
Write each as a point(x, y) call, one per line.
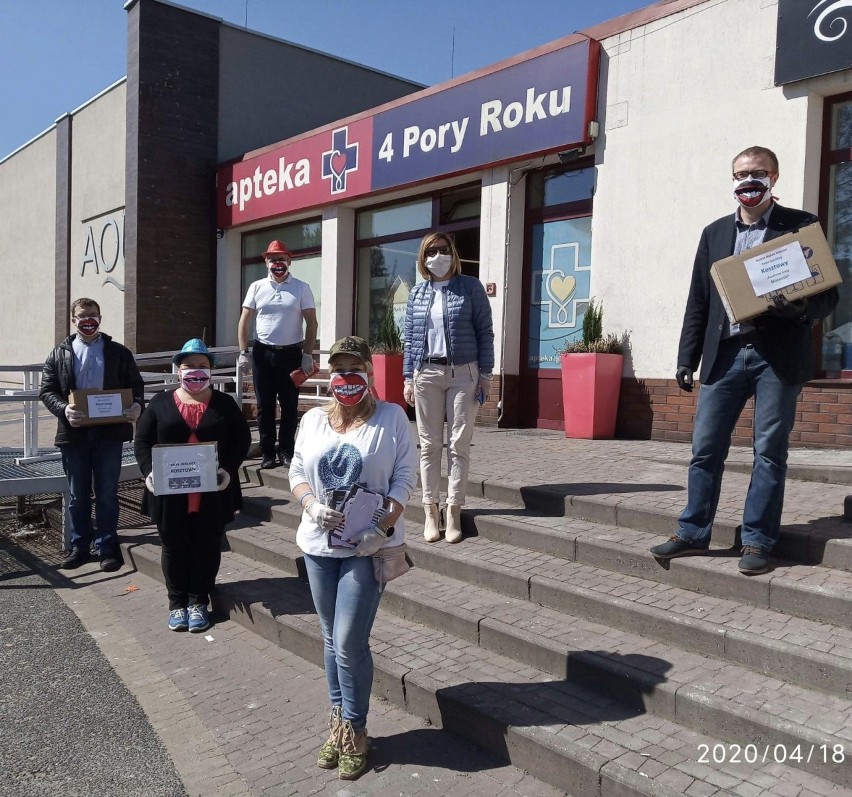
point(657, 409)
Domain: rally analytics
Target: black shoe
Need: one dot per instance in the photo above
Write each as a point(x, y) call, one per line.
point(286, 460)
point(75, 559)
point(676, 547)
point(269, 461)
point(754, 561)
point(110, 563)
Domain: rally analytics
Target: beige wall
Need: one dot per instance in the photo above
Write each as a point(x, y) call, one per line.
point(679, 98)
point(97, 202)
point(27, 247)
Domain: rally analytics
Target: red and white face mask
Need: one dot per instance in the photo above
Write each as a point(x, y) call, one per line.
point(88, 325)
point(752, 191)
point(195, 380)
point(349, 387)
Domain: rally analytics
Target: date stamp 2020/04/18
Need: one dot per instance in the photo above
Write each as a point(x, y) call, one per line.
point(775, 753)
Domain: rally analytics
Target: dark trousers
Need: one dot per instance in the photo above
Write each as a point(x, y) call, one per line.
point(271, 373)
point(190, 558)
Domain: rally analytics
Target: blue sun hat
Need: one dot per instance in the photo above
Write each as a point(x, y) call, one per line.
point(194, 346)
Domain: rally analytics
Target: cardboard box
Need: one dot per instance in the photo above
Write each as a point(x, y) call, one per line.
point(795, 265)
point(184, 468)
point(101, 406)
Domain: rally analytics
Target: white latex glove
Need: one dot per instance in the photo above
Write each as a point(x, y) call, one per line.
point(223, 479)
point(408, 393)
point(244, 363)
point(308, 364)
point(133, 412)
point(149, 482)
point(369, 542)
point(324, 516)
point(75, 417)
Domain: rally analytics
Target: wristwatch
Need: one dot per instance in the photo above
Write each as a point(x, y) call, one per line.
point(245, 351)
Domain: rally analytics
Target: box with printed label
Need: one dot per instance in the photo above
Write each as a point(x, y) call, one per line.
point(101, 406)
point(184, 468)
point(795, 265)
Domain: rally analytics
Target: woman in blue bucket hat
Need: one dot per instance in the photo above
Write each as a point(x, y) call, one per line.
point(191, 524)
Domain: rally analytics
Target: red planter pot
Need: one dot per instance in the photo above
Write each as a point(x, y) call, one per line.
point(591, 384)
point(387, 374)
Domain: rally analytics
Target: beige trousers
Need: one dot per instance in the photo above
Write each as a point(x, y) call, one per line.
point(445, 392)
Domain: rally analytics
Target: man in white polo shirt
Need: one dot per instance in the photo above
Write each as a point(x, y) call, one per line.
point(281, 304)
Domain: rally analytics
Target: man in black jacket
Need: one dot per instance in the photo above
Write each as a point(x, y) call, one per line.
point(770, 358)
point(91, 455)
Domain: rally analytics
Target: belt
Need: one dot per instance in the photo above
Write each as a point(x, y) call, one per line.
point(743, 339)
point(435, 360)
point(278, 348)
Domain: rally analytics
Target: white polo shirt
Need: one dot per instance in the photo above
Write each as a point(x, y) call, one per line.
point(279, 307)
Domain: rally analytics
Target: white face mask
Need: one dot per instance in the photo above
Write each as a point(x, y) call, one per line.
point(194, 380)
point(752, 191)
point(439, 265)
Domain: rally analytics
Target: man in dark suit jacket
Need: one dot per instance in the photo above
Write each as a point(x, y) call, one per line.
point(770, 358)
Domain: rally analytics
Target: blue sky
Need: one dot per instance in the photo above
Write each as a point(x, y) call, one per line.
point(56, 54)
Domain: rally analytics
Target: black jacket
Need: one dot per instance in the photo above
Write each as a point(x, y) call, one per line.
point(222, 423)
point(787, 345)
point(57, 381)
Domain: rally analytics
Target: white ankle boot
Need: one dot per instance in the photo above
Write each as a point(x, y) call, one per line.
point(432, 529)
point(454, 532)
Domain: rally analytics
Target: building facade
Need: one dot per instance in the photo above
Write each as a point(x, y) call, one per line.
point(585, 168)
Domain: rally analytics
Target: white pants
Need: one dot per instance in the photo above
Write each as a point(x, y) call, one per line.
point(444, 391)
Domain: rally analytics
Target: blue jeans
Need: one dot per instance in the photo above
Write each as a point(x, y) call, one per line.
point(93, 463)
point(346, 596)
point(739, 373)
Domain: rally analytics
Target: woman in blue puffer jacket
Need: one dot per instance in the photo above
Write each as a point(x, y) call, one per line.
point(449, 356)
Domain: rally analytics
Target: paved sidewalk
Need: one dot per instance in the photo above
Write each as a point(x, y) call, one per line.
point(651, 476)
point(241, 717)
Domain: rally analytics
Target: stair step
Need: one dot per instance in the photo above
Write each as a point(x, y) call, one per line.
point(801, 651)
point(700, 692)
point(571, 735)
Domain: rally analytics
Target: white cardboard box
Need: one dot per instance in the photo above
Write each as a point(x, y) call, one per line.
point(184, 468)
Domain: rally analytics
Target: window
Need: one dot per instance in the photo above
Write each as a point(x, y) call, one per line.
point(837, 212)
point(388, 240)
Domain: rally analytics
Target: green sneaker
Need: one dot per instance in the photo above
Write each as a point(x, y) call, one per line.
point(353, 752)
point(330, 751)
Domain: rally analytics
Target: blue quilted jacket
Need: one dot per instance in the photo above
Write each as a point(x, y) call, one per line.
point(467, 324)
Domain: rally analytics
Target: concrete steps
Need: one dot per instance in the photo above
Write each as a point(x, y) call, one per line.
point(574, 736)
point(559, 644)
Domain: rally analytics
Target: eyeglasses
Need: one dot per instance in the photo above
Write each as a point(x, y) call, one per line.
point(436, 250)
point(755, 174)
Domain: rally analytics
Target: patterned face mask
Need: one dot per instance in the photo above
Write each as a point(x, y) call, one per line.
point(349, 387)
point(195, 380)
point(88, 325)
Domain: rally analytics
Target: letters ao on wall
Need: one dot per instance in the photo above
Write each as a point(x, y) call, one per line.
point(102, 258)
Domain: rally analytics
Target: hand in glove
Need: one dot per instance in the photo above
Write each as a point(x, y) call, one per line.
point(684, 378)
point(783, 308)
point(408, 393)
point(149, 482)
point(75, 417)
point(133, 412)
point(308, 365)
point(223, 479)
point(244, 363)
point(369, 541)
point(324, 516)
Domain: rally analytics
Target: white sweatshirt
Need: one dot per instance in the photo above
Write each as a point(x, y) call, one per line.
point(380, 455)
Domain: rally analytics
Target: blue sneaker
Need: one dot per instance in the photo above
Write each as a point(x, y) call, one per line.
point(199, 618)
point(178, 620)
